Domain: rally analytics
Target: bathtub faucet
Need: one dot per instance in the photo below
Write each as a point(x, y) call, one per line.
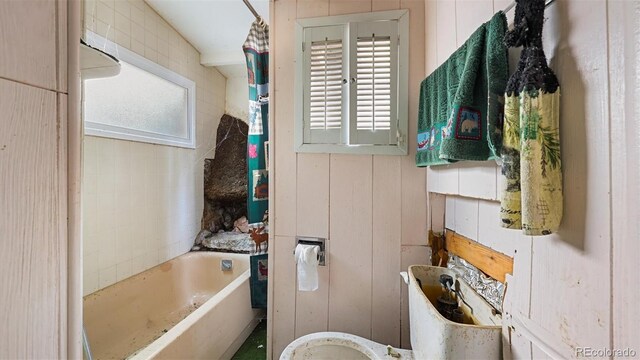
point(391, 352)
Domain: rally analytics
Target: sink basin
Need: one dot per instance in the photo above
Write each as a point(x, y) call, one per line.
point(435, 337)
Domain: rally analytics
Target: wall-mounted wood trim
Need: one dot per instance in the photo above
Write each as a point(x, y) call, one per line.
point(74, 177)
point(491, 262)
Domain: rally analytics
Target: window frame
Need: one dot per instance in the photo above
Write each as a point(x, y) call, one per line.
point(123, 133)
point(402, 103)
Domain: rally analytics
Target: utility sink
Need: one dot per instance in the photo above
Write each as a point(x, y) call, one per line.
point(435, 337)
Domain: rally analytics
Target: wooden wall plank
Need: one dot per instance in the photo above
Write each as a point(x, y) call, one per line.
point(470, 14)
point(313, 213)
point(624, 82)
point(65, 265)
point(313, 195)
point(414, 192)
point(436, 212)
point(283, 275)
point(340, 7)
point(285, 158)
point(272, 193)
point(574, 264)
point(386, 227)
point(350, 255)
point(312, 8)
point(447, 29)
point(28, 39)
point(61, 35)
point(431, 36)
point(381, 5)
point(491, 262)
point(31, 253)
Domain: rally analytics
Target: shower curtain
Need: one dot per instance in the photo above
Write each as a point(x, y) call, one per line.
point(256, 51)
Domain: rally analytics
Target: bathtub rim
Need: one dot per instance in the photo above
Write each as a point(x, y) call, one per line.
point(370, 348)
point(155, 347)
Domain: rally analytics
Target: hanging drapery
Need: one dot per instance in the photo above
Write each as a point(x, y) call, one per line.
point(256, 50)
point(532, 197)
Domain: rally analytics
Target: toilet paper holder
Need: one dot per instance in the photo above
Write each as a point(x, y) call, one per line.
point(321, 242)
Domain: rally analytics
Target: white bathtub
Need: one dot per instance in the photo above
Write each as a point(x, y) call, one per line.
point(185, 308)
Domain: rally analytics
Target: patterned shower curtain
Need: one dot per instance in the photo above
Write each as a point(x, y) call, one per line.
point(256, 50)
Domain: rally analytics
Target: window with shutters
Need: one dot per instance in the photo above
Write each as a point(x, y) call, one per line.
point(351, 83)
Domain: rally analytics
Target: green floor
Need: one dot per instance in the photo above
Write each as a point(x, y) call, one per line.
point(255, 348)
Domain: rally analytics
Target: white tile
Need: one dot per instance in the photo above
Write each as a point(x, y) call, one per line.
point(90, 262)
point(123, 244)
point(90, 282)
point(122, 23)
point(107, 276)
point(478, 179)
point(105, 13)
point(138, 264)
point(137, 16)
point(448, 179)
point(466, 217)
point(491, 234)
point(433, 180)
point(106, 249)
point(124, 270)
point(152, 258)
point(450, 213)
point(123, 7)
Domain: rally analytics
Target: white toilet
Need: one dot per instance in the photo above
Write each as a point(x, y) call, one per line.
point(432, 335)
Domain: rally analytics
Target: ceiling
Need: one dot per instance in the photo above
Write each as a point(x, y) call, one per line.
point(217, 28)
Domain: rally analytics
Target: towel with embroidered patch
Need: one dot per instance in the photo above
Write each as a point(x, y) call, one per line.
point(461, 102)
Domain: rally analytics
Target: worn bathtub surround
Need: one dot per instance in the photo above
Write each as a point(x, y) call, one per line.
point(187, 308)
point(225, 180)
point(532, 194)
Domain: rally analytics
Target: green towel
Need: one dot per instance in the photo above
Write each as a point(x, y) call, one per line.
point(461, 102)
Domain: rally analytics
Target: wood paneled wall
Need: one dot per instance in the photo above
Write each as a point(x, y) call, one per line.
point(571, 289)
point(371, 208)
point(33, 179)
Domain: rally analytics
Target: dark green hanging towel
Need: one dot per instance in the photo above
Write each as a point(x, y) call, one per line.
point(461, 102)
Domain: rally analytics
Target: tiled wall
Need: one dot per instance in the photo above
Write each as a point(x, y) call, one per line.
point(142, 203)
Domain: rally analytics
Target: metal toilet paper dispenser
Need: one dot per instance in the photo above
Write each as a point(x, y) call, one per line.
point(320, 242)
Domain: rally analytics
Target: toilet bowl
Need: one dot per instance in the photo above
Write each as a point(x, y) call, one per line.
point(432, 335)
point(339, 346)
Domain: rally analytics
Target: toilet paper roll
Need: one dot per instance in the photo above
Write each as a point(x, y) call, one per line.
point(307, 264)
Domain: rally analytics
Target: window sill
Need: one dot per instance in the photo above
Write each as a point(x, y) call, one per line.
point(352, 149)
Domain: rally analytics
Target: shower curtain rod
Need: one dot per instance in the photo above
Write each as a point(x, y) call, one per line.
point(549, 2)
point(253, 11)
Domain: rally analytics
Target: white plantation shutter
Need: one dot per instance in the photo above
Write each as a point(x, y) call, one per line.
point(373, 95)
point(351, 93)
point(324, 66)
